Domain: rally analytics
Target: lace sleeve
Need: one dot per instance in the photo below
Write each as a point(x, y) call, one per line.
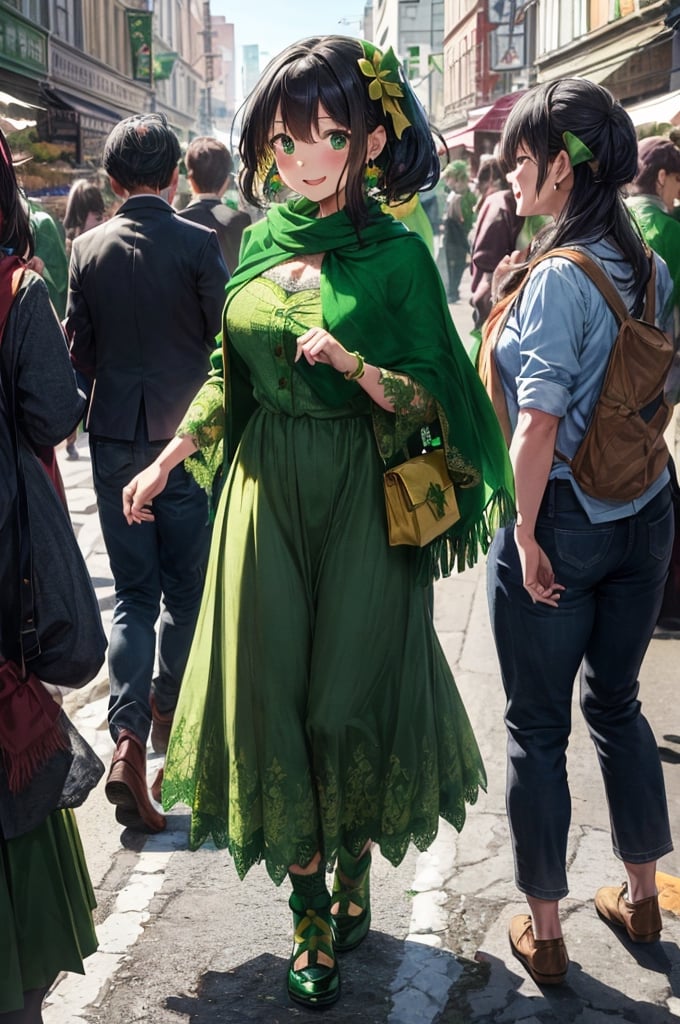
point(204, 424)
point(413, 406)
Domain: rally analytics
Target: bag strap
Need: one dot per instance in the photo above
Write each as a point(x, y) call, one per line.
point(10, 282)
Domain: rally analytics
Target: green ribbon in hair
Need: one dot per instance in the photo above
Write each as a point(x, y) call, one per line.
point(578, 152)
point(384, 71)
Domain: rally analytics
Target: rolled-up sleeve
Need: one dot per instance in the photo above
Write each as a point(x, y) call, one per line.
point(551, 328)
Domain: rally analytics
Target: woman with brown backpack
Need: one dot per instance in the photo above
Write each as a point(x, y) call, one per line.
point(577, 581)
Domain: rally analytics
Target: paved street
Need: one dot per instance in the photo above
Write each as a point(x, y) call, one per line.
point(182, 940)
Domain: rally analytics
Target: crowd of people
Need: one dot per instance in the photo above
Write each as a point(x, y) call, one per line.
point(247, 378)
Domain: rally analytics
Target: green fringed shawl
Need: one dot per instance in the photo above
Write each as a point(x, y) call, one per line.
point(381, 295)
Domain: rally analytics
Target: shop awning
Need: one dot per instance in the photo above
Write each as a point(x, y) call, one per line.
point(491, 121)
point(96, 118)
point(663, 109)
point(598, 63)
point(16, 114)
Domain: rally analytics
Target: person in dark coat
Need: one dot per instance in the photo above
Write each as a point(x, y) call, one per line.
point(145, 301)
point(209, 171)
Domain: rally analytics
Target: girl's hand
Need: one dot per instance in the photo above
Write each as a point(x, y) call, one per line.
point(138, 494)
point(537, 573)
point(318, 346)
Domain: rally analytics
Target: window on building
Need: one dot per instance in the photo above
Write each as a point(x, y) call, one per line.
point(36, 10)
point(66, 21)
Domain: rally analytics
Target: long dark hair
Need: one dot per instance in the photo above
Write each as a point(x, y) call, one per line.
point(15, 225)
point(595, 208)
point(325, 70)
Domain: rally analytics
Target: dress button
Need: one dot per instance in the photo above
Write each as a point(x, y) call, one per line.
point(283, 382)
point(278, 351)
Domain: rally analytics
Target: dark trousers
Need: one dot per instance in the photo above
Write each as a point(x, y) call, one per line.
point(614, 575)
point(164, 560)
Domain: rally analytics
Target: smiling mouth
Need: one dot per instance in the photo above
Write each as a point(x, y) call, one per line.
point(314, 181)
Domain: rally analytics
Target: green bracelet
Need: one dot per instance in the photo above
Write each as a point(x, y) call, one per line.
point(360, 370)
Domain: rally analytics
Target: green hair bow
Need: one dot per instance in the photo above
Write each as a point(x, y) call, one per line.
point(384, 71)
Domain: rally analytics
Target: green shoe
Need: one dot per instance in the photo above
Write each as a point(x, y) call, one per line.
point(351, 928)
point(317, 984)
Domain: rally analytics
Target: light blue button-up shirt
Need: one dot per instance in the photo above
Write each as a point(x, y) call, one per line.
point(553, 352)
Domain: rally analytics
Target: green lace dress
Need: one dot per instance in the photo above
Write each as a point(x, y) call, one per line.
point(317, 708)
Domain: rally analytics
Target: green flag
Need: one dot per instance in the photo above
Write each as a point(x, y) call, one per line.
point(140, 27)
point(163, 63)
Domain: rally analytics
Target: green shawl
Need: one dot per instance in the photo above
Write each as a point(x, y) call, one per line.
point(381, 295)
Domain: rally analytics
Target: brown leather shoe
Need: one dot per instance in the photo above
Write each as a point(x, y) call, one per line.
point(157, 786)
point(161, 724)
point(126, 786)
point(545, 960)
point(642, 920)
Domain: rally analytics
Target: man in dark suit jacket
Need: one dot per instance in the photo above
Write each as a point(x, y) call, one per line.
point(209, 169)
point(146, 293)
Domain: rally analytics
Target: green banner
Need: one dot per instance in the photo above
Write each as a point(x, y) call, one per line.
point(163, 63)
point(140, 27)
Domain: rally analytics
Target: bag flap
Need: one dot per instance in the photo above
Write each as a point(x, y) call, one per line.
point(418, 475)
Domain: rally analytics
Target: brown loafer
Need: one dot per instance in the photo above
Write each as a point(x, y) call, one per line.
point(161, 725)
point(126, 786)
point(157, 786)
point(642, 920)
point(545, 960)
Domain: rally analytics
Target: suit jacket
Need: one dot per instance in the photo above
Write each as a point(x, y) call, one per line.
point(146, 292)
point(229, 225)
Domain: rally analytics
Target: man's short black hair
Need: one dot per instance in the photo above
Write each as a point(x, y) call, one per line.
point(142, 150)
point(208, 163)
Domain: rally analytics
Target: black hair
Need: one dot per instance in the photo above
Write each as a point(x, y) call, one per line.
point(595, 208)
point(324, 70)
point(83, 197)
point(15, 223)
point(208, 163)
point(490, 172)
point(142, 150)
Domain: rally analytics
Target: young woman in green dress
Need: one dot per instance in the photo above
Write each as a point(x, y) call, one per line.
point(318, 714)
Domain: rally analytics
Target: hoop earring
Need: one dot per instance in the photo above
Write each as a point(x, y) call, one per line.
point(371, 175)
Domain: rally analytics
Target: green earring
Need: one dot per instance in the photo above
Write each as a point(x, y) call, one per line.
point(371, 175)
point(272, 183)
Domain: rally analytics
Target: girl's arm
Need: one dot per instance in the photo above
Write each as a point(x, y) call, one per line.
point(142, 489)
point(318, 346)
point(531, 454)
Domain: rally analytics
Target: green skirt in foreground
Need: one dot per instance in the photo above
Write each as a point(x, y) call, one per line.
point(317, 708)
point(46, 903)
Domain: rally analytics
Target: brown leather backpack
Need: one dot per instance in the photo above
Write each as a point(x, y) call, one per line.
point(623, 450)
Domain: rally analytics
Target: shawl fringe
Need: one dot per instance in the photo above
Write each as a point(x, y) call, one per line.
point(460, 550)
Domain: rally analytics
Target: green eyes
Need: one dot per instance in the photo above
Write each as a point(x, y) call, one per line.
point(337, 140)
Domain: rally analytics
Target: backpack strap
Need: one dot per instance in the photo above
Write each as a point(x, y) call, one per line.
point(606, 286)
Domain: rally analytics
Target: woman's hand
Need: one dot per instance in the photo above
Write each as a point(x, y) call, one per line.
point(318, 346)
point(506, 264)
point(538, 577)
point(139, 493)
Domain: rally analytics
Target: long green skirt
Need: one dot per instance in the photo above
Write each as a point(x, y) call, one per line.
point(46, 903)
point(317, 708)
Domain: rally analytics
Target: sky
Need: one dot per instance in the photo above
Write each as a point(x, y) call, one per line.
point(273, 24)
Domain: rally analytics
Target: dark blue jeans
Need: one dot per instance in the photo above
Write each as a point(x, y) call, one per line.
point(164, 560)
point(614, 575)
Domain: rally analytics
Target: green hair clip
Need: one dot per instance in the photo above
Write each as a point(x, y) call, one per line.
point(578, 152)
point(384, 71)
